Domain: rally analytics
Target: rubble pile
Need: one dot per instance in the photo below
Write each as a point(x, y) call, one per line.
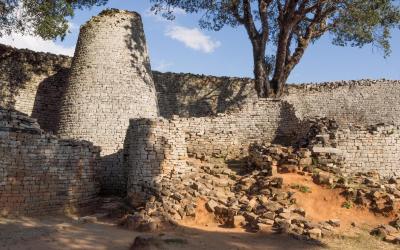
point(390, 232)
point(321, 141)
point(321, 132)
point(264, 204)
point(277, 158)
point(255, 201)
point(369, 190)
point(176, 197)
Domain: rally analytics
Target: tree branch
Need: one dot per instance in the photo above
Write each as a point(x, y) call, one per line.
point(235, 11)
point(248, 20)
point(316, 28)
point(263, 11)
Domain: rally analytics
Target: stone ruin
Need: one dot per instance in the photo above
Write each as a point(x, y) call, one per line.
point(104, 123)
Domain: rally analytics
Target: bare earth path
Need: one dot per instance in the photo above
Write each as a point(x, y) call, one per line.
point(60, 232)
point(65, 233)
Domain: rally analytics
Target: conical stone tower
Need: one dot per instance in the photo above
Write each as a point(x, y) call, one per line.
point(110, 82)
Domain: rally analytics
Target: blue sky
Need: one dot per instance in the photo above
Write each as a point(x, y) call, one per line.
point(180, 46)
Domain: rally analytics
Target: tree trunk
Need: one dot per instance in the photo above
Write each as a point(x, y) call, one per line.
point(279, 79)
point(262, 84)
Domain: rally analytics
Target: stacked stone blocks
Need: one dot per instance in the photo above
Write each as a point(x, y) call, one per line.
point(41, 174)
point(110, 82)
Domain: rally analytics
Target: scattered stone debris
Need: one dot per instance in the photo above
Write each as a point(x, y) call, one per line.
point(389, 233)
point(256, 200)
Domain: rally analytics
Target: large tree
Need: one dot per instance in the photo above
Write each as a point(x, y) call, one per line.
point(281, 30)
point(45, 18)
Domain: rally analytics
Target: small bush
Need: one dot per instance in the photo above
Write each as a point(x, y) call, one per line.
point(301, 188)
point(347, 204)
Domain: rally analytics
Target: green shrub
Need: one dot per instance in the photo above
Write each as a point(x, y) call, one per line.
point(301, 188)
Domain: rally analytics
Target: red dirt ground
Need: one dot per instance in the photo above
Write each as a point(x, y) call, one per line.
point(324, 203)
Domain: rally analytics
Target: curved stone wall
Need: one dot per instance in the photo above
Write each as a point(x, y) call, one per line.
point(23, 72)
point(154, 148)
point(110, 82)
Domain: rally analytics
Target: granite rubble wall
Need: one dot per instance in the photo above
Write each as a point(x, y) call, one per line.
point(362, 102)
point(26, 88)
point(373, 148)
point(30, 82)
point(154, 148)
point(357, 148)
point(41, 174)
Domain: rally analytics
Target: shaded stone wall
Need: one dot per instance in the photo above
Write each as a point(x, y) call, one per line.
point(190, 95)
point(227, 136)
point(110, 82)
point(41, 174)
point(23, 72)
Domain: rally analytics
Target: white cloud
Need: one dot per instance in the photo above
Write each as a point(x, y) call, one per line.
point(36, 44)
point(192, 38)
point(162, 65)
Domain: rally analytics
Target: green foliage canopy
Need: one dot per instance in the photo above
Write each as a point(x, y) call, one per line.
point(351, 22)
point(45, 18)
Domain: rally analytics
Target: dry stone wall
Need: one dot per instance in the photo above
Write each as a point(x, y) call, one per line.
point(363, 102)
point(227, 136)
point(375, 148)
point(23, 73)
point(41, 174)
point(358, 148)
point(158, 148)
point(190, 95)
point(154, 149)
point(110, 82)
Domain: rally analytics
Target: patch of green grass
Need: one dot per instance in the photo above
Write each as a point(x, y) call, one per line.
point(301, 188)
point(347, 204)
point(316, 171)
